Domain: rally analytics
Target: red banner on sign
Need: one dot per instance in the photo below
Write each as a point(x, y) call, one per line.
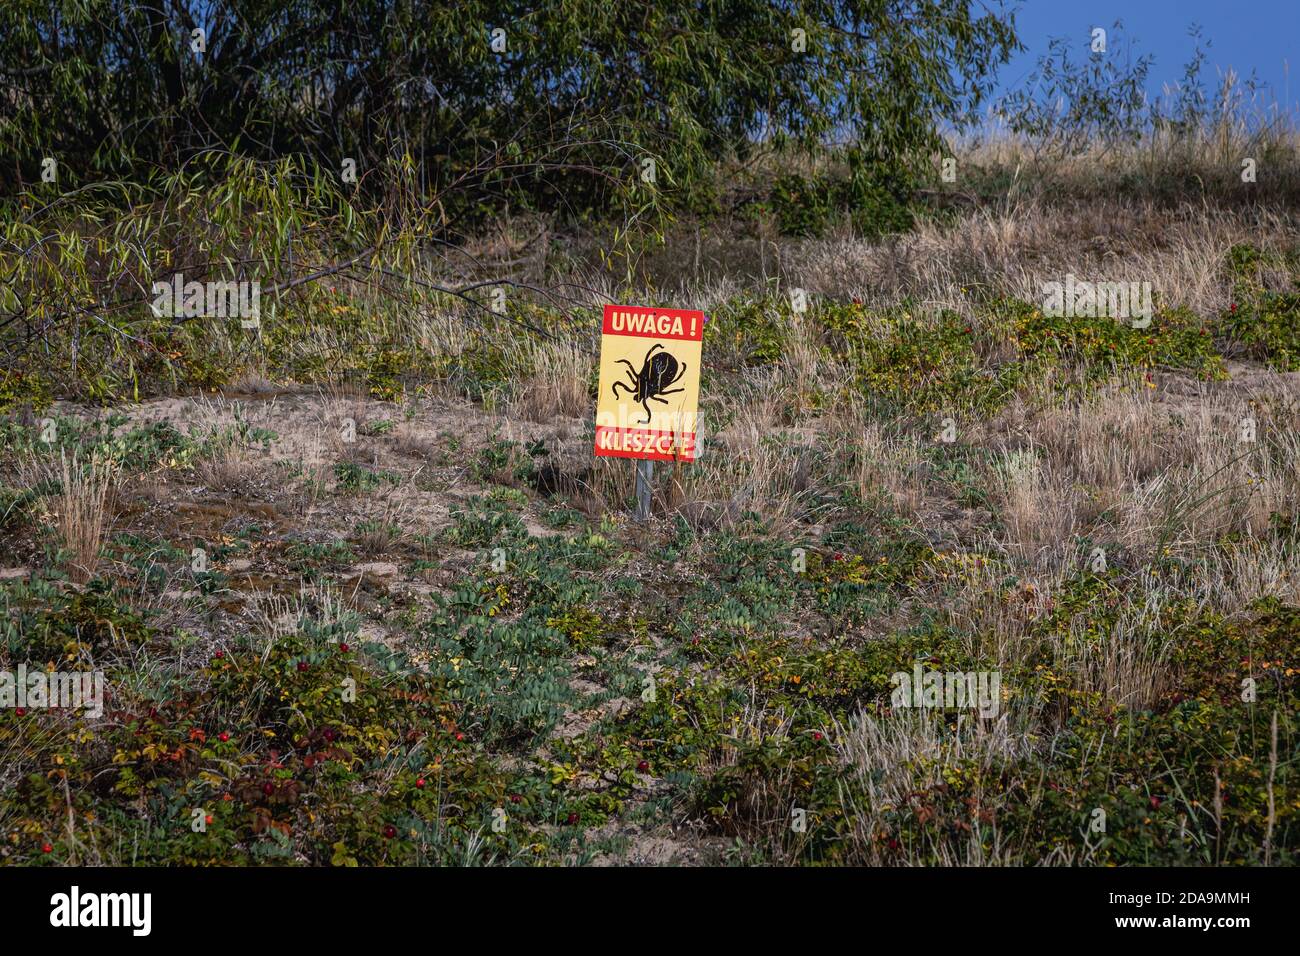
point(617, 442)
point(653, 323)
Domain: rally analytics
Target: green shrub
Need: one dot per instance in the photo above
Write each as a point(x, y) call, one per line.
point(876, 198)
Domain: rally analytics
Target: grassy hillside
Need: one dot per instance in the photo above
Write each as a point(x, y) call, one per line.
point(362, 595)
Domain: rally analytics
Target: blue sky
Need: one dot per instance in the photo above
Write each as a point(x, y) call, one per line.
point(1245, 35)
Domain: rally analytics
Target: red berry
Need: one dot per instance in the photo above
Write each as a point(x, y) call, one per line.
point(223, 736)
point(208, 818)
point(329, 734)
point(573, 818)
point(1155, 803)
point(817, 735)
point(303, 665)
point(344, 648)
point(460, 736)
point(895, 845)
point(643, 766)
point(515, 798)
point(268, 788)
point(420, 784)
point(46, 848)
point(20, 711)
point(390, 831)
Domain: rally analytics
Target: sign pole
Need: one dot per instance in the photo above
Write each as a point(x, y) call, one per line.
point(645, 469)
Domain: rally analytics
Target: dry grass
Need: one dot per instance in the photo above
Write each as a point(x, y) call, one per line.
point(1011, 251)
point(81, 511)
point(231, 470)
point(752, 467)
point(1038, 507)
point(559, 385)
point(884, 755)
point(1129, 665)
point(1144, 475)
point(883, 463)
point(382, 529)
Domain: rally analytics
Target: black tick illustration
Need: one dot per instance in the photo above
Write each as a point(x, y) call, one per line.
point(657, 373)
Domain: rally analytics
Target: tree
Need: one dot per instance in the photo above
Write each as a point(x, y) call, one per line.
point(581, 92)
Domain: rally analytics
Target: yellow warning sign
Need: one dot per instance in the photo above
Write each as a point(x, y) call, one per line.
point(649, 383)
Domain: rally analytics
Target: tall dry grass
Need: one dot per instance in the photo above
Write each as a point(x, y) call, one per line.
point(81, 515)
point(882, 756)
point(558, 381)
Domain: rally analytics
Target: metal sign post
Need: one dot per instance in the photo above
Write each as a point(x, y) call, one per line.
point(645, 469)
